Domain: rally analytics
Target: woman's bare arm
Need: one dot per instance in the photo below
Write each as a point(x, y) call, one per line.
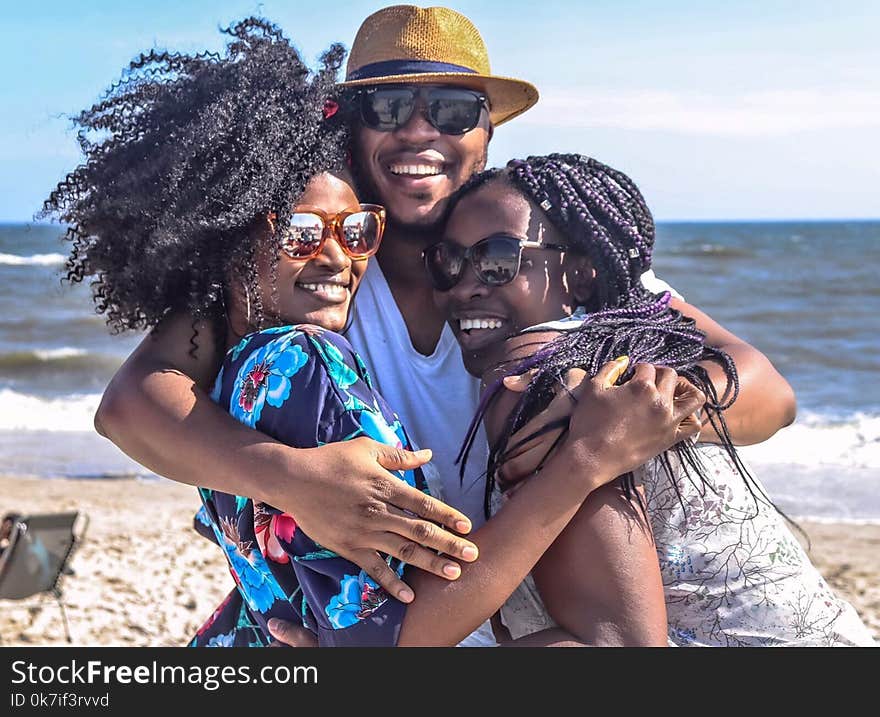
point(613, 430)
point(157, 411)
point(766, 401)
point(600, 580)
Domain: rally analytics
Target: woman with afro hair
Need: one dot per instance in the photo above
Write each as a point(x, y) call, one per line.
point(216, 186)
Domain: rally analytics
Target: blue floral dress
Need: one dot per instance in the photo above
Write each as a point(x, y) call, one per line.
point(305, 387)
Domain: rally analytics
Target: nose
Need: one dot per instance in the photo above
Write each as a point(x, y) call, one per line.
point(417, 129)
point(332, 257)
point(469, 287)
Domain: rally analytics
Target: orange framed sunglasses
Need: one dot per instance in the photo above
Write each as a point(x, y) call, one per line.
point(358, 231)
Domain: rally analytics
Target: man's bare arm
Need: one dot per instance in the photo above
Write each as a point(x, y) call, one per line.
point(766, 401)
point(157, 411)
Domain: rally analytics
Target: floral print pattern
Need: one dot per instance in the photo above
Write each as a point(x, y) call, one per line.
point(733, 573)
point(305, 387)
point(264, 377)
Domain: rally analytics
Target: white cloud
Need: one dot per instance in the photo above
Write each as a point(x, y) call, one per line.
point(748, 115)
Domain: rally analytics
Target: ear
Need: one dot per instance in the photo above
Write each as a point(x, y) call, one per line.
point(583, 279)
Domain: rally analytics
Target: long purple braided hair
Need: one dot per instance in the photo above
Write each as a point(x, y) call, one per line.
point(602, 214)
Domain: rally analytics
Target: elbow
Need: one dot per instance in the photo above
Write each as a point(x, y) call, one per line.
point(788, 405)
point(111, 413)
point(105, 416)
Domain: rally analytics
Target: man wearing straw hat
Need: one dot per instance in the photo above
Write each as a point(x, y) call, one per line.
point(424, 104)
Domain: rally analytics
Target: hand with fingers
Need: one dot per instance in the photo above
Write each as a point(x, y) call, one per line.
point(352, 503)
point(624, 426)
point(289, 634)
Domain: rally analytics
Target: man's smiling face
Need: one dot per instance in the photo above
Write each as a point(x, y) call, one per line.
point(413, 169)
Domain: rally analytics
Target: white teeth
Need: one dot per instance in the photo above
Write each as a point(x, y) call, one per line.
point(468, 324)
point(331, 290)
point(415, 170)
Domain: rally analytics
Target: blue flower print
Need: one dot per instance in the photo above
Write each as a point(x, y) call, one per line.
point(256, 583)
point(236, 352)
point(376, 427)
point(358, 598)
point(202, 513)
point(339, 372)
point(218, 386)
point(225, 640)
point(265, 378)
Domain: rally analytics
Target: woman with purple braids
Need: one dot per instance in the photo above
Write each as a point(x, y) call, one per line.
point(539, 273)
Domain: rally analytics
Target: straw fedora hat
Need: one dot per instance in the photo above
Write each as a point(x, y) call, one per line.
point(405, 44)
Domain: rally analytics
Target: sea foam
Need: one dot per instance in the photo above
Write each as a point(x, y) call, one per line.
point(815, 439)
point(33, 260)
point(23, 412)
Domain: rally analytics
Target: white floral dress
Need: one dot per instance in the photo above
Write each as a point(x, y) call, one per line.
point(733, 573)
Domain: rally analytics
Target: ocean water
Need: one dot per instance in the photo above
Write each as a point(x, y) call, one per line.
point(807, 294)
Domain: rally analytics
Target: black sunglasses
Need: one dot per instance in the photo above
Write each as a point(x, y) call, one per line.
point(450, 110)
point(495, 260)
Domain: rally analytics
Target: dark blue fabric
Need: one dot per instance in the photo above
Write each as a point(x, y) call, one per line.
point(389, 68)
point(305, 387)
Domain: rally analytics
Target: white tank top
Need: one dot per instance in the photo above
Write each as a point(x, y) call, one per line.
point(434, 396)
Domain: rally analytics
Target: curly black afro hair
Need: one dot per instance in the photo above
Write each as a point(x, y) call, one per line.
point(182, 155)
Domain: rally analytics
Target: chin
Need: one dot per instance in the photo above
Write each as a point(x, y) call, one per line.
point(427, 216)
point(475, 364)
point(330, 320)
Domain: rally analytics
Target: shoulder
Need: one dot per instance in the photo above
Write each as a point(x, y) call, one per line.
point(656, 285)
point(306, 337)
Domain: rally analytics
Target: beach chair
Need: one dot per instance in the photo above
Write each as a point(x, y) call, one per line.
point(37, 556)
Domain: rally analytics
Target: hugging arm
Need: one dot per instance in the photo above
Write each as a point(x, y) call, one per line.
point(766, 401)
point(600, 580)
point(157, 411)
point(615, 429)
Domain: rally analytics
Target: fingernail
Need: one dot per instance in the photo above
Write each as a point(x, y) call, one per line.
point(622, 359)
point(274, 624)
point(451, 570)
point(463, 526)
point(469, 553)
point(406, 595)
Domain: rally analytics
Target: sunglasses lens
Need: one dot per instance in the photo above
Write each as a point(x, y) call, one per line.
point(444, 262)
point(302, 237)
point(387, 109)
point(361, 233)
point(496, 260)
point(454, 111)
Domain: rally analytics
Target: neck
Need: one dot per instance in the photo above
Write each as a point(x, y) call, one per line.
point(400, 258)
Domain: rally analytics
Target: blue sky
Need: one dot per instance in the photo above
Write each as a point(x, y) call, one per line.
point(747, 110)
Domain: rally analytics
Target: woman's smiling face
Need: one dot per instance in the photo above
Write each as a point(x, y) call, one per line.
point(550, 284)
point(317, 291)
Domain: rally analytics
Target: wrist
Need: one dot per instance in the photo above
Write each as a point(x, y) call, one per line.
point(580, 462)
point(272, 476)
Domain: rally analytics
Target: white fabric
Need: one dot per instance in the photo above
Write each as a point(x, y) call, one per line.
point(658, 286)
point(434, 396)
point(733, 573)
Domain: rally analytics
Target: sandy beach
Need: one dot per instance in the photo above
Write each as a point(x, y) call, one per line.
point(143, 577)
